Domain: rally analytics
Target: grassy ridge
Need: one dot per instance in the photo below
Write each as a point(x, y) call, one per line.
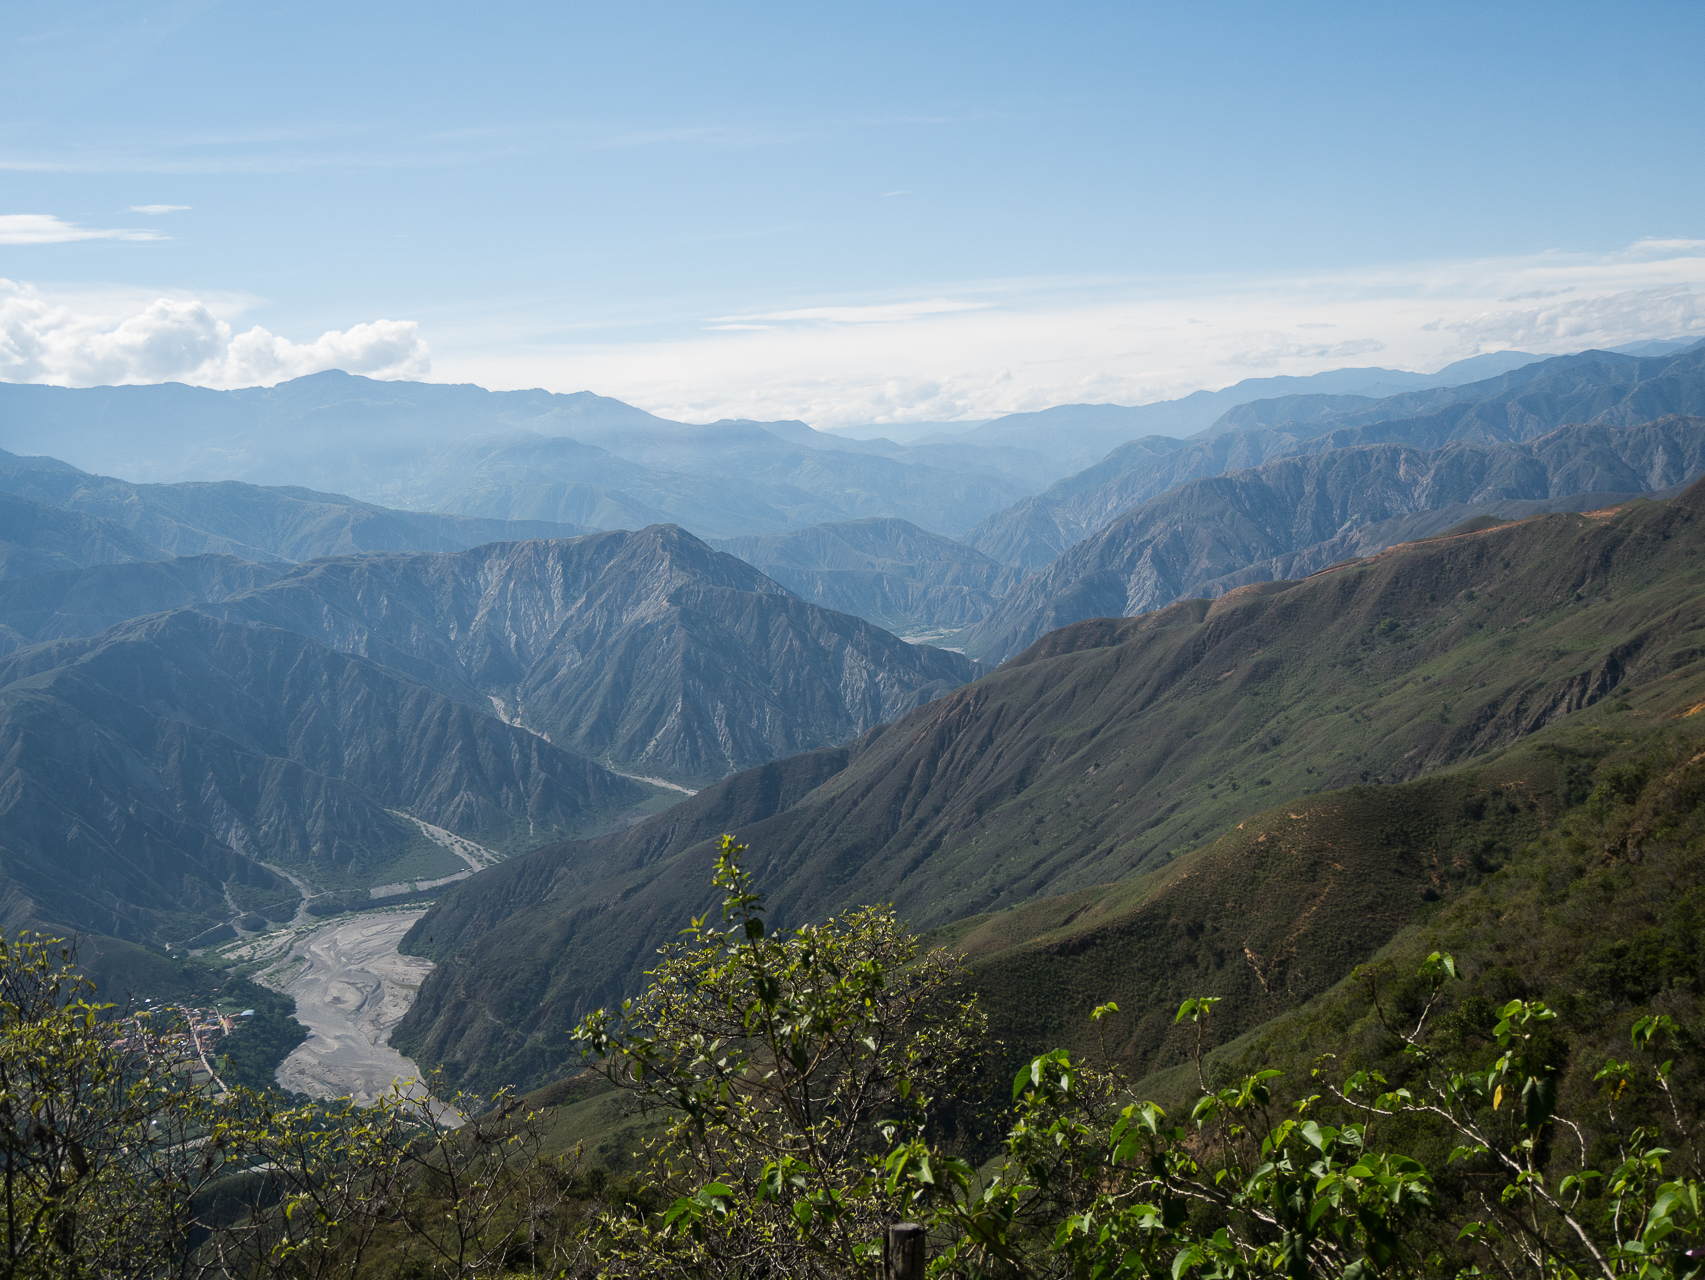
point(1103, 753)
point(1602, 917)
point(1567, 869)
point(1273, 912)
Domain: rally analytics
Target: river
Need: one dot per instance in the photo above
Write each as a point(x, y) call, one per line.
point(351, 989)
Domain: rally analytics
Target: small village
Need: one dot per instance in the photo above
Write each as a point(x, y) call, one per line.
point(185, 1036)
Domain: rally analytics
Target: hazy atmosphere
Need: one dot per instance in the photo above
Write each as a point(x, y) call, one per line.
point(877, 214)
point(994, 642)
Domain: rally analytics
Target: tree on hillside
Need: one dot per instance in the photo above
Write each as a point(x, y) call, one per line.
point(98, 1157)
point(803, 1072)
point(789, 1063)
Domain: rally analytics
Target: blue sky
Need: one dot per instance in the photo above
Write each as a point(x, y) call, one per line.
point(841, 212)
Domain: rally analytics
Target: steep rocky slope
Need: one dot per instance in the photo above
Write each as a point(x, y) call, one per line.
point(1213, 529)
point(1591, 387)
point(1104, 751)
point(152, 777)
point(648, 649)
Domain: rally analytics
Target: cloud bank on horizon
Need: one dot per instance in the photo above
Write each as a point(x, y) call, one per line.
point(74, 343)
point(969, 353)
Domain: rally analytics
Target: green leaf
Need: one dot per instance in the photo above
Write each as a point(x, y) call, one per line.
point(1188, 1257)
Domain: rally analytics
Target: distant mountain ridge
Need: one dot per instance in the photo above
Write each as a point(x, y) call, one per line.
point(76, 603)
point(40, 537)
point(463, 450)
point(124, 521)
point(1211, 529)
point(1589, 387)
point(726, 480)
point(889, 571)
point(1086, 432)
point(591, 460)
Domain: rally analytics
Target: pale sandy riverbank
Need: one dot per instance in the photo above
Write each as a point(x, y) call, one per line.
point(351, 989)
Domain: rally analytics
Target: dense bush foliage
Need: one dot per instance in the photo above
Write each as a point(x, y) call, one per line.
point(1529, 1110)
point(760, 1043)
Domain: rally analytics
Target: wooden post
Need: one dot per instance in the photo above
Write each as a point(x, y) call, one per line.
point(903, 1252)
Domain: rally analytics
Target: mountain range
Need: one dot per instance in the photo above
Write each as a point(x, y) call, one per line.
point(1590, 387)
point(649, 650)
point(1298, 514)
point(1106, 751)
point(897, 575)
point(459, 450)
point(191, 740)
point(588, 460)
point(53, 516)
point(1083, 433)
point(223, 699)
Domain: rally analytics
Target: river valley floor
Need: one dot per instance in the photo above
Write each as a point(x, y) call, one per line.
point(351, 988)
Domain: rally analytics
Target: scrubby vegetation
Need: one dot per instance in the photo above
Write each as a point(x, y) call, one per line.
point(1513, 1086)
point(1521, 1103)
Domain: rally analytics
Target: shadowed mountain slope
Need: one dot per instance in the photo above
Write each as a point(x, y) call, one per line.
point(1592, 387)
point(255, 523)
point(1211, 529)
point(153, 775)
point(38, 537)
point(1102, 752)
point(887, 571)
point(85, 602)
point(648, 649)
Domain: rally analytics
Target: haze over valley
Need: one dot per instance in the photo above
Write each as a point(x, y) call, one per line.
point(248, 701)
point(567, 571)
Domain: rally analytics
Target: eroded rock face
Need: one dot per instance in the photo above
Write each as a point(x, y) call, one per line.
point(1518, 405)
point(648, 649)
point(1293, 516)
point(178, 769)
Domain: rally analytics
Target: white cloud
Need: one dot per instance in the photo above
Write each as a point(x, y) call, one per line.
point(382, 349)
point(1272, 348)
point(1665, 311)
point(44, 228)
point(77, 342)
point(986, 348)
point(971, 351)
point(158, 208)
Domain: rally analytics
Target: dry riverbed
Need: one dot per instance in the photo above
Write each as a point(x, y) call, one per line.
point(351, 989)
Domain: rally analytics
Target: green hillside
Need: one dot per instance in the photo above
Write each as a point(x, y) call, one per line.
point(1111, 749)
point(1566, 869)
point(1283, 906)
